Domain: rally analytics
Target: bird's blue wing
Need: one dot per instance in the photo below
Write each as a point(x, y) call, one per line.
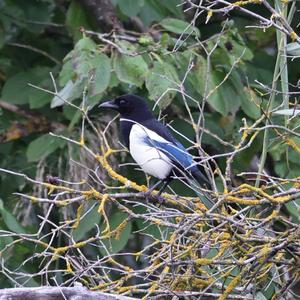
point(175, 152)
point(180, 157)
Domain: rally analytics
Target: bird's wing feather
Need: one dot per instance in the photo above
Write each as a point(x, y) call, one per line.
point(160, 129)
point(175, 153)
point(180, 157)
point(158, 136)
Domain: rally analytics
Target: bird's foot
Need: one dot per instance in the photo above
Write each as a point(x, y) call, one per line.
point(150, 197)
point(160, 200)
point(156, 197)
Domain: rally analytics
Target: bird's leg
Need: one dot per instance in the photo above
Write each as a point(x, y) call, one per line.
point(166, 181)
point(148, 193)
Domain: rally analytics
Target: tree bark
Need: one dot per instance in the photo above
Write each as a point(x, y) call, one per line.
point(57, 293)
point(104, 13)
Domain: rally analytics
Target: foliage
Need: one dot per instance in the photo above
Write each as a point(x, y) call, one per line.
point(226, 83)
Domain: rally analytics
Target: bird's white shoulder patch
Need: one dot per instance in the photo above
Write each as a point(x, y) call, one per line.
point(153, 161)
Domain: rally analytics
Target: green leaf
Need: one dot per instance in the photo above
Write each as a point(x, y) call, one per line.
point(235, 47)
point(260, 296)
point(43, 146)
point(127, 47)
point(240, 50)
point(179, 26)
point(10, 220)
point(251, 104)
point(63, 95)
point(145, 227)
point(16, 89)
point(38, 98)
point(116, 245)
point(87, 223)
point(76, 18)
point(67, 73)
point(162, 77)
point(129, 69)
point(114, 81)
point(39, 11)
point(130, 8)
point(198, 76)
point(293, 49)
point(287, 112)
point(85, 43)
point(224, 99)
point(2, 37)
point(149, 229)
point(69, 112)
point(84, 67)
point(293, 208)
point(101, 78)
point(4, 241)
point(154, 10)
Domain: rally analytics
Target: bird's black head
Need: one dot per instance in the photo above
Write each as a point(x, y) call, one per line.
point(129, 106)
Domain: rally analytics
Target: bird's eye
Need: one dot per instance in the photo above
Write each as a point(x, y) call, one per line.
point(122, 102)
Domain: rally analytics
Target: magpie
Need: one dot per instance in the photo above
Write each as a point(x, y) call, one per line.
point(151, 144)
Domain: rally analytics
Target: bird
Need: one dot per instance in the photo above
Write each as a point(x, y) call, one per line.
point(151, 144)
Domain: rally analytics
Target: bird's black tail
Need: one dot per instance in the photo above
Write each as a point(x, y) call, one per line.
point(200, 177)
point(202, 180)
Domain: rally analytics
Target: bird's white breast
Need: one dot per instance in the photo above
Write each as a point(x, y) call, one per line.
point(151, 159)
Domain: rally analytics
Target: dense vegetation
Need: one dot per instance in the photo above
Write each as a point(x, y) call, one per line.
point(224, 76)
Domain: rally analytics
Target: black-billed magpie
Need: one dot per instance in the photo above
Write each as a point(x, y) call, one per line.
point(150, 143)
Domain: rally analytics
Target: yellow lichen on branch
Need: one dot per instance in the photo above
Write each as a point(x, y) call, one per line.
point(113, 174)
point(101, 211)
point(78, 213)
point(234, 282)
point(245, 188)
point(291, 143)
point(246, 2)
point(294, 36)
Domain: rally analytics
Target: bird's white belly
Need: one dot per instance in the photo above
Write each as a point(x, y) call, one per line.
point(150, 159)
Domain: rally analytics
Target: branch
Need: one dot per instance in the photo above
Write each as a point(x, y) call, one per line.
point(34, 123)
point(57, 293)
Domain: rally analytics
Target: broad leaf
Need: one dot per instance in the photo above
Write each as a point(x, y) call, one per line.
point(293, 49)
point(130, 8)
point(39, 11)
point(114, 245)
point(66, 73)
point(76, 17)
point(43, 146)
point(16, 89)
point(85, 43)
point(40, 78)
point(86, 224)
point(251, 103)
point(199, 76)
point(2, 37)
point(162, 77)
point(70, 92)
point(10, 220)
point(223, 95)
point(101, 74)
point(84, 67)
point(287, 112)
point(63, 95)
point(129, 69)
point(179, 26)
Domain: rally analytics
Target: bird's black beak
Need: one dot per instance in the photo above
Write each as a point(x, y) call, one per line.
point(109, 104)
